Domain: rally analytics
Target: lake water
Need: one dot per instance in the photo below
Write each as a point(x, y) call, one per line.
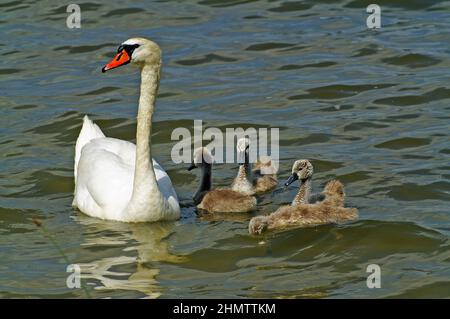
point(371, 108)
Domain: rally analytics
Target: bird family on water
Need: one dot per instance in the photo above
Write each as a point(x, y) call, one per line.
point(118, 180)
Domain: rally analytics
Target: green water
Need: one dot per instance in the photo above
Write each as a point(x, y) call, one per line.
point(368, 107)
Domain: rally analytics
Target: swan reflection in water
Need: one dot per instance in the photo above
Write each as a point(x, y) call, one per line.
point(125, 255)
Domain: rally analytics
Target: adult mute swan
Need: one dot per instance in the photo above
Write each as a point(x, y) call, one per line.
point(116, 179)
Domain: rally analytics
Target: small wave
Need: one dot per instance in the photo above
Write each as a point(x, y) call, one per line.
point(105, 89)
point(291, 6)
point(269, 46)
point(404, 142)
point(209, 58)
point(407, 100)
point(338, 91)
point(412, 60)
point(123, 12)
point(9, 71)
point(311, 65)
point(84, 48)
point(224, 3)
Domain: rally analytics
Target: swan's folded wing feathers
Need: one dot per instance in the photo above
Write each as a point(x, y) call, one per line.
point(89, 131)
point(106, 177)
point(125, 150)
point(164, 182)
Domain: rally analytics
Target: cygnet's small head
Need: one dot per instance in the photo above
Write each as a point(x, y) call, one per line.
point(302, 170)
point(243, 144)
point(266, 166)
point(138, 51)
point(202, 156)
point(257, 225)
point(242, 148)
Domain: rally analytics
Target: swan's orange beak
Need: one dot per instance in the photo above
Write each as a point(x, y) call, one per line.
point(121, 58)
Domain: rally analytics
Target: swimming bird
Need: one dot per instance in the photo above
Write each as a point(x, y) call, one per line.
point(115, 179)
point(253, 180)
point(265, 175)
point(219, 200)
point(243, 182)
point(303, 170)
point(301, 213)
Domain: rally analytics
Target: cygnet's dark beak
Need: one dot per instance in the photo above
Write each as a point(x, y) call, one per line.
point(291, 179)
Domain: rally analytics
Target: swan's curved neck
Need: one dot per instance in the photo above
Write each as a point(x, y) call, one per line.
point(145, 187)
point(149, 89)
point(304, 192)
point(205, 183)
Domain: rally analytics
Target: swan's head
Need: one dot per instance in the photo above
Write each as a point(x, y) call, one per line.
point(242, 147)
point(265, 165)
point(138, 51)
point(257, 225)
point(302, 170)
point(202, 156)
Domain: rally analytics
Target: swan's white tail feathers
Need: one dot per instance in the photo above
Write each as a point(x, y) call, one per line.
point(91, 128)
point(88, 132)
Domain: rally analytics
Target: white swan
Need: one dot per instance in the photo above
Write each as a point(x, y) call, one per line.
point(116, 179)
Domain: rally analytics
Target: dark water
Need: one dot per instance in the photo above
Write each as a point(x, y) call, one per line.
point(368, 107)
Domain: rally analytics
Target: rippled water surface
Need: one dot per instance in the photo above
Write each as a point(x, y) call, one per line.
point(371, 108)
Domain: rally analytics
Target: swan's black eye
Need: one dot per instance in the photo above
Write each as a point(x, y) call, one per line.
point(129, 48)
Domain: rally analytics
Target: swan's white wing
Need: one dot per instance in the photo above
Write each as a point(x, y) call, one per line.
point(126, 151)
point(105, 178)
point(165, 186)
point(89, 131)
